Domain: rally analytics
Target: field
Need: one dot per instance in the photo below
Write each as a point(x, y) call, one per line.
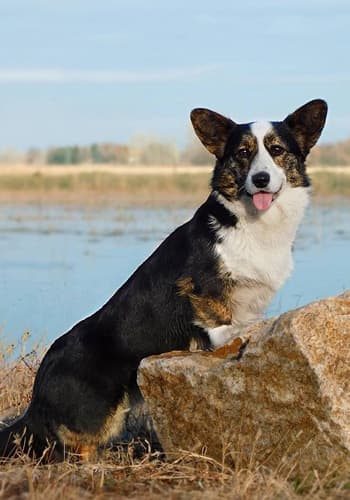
point(132, 185)
point(96, 185)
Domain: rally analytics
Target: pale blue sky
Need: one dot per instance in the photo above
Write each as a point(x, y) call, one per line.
point(80, 71)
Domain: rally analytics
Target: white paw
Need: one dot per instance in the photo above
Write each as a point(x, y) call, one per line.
point(222, 334)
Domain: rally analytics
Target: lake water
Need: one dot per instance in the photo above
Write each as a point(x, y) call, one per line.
point(58, 265)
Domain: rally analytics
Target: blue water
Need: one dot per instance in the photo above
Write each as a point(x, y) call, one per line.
point(58, 265)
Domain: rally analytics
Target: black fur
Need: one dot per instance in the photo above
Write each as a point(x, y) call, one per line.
point(86, 375)
point(86, 372)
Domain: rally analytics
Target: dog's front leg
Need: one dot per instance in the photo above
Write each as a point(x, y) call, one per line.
point(222, 334)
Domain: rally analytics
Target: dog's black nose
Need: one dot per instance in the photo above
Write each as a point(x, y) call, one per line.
point(261, 179)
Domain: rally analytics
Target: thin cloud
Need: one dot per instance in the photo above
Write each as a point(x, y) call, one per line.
point(314, 79)
point(62, 75)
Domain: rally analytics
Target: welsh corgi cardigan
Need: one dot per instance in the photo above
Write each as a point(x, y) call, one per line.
point(208, 279)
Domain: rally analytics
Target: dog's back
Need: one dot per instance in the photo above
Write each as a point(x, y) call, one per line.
point(210, 277)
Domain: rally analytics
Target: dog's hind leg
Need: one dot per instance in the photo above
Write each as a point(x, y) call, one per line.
point(85, 445)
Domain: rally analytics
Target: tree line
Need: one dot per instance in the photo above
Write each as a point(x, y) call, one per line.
point(145, 151)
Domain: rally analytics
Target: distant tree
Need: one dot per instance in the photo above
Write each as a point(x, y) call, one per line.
point(113, 153)
point(58, 156)
point(196, 154)
point(95, 154)
point(75, 156)
point(11, 156)
point(148, 150)
point(122, 153)
point(159, 153)
point(34, 155)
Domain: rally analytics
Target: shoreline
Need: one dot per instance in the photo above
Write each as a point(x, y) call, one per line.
point(108, 185)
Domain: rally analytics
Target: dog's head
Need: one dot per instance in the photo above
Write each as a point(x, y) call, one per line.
point(258, 160)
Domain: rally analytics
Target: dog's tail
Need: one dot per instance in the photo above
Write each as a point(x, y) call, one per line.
point(14, 437)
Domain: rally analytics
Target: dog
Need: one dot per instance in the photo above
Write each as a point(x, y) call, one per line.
point(211, 277)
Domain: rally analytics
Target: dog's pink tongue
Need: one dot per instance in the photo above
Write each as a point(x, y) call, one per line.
point(262, 201)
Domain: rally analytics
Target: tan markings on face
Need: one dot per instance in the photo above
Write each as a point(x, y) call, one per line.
point(249, 142)
point(85, 444)
point(209, 312)
point(286, 160)
point(245, 151)
point(225, 183)
point(231, 176)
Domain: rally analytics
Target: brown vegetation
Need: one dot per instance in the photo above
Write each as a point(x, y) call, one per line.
point(104, 185)
point(335, 154)
point(136, 185)
point(119, 473)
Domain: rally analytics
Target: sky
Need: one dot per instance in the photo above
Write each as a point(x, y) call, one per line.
point(83, 71)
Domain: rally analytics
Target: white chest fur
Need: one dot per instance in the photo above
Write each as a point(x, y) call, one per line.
point(257, 254)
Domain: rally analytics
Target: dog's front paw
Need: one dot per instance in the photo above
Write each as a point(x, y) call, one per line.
point(221, 335)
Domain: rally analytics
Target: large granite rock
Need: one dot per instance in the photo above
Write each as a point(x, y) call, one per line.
point(284, 403)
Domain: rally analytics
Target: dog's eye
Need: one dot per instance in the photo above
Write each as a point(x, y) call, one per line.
point(276, 150)
point(243, 153)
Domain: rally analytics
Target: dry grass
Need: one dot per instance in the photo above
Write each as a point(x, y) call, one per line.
point(132, 185)
point(119, 473)
point(105, 188)
point(328, 183)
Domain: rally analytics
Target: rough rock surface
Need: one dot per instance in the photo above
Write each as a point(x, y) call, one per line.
point(285, 401)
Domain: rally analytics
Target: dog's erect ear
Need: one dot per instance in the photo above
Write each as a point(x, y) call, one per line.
point(212, 129)
point(306, 123)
